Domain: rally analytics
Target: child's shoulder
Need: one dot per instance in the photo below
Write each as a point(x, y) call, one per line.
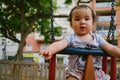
point(99, 39)
point(71, 35)
point(96, 35)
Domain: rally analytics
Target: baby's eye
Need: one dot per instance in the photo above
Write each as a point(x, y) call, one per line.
point(77, 19)
point(87, 19)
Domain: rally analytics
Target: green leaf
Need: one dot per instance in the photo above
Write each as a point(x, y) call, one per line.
point(68, 1)
point(58, 31)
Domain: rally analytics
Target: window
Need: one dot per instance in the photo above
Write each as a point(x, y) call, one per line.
point(43, 46)
point(105, 32)
point(28, 47)
point(85, 1)
point(103, 4)
point(3, 41)
point(105, 18)
point(59, 60)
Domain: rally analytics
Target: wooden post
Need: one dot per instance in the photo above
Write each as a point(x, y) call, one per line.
point(113, 69)
point(89, 69)
point(52, 65)
point(104, 64)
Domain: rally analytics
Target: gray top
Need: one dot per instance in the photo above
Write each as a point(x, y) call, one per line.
point(78, 62)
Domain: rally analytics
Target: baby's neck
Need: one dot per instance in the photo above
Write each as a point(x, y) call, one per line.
point(86, 38)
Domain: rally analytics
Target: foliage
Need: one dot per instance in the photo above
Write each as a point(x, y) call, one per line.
point(68, 1)
point(13, 14)
point(24, 17)
point(45, 29)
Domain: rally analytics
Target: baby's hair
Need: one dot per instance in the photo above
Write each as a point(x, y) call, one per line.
point(81, 7)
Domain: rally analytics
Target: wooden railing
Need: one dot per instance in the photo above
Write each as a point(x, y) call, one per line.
point(11, 70)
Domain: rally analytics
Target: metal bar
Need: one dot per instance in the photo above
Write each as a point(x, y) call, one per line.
point(83, 51)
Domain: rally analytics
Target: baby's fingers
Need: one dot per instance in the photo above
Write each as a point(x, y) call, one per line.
point(44, 52)
point(48, 57)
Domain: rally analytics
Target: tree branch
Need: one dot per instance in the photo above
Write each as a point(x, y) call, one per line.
point(40, 16)
point(8, 34)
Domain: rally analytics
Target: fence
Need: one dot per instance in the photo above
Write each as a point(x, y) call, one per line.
point(10, 70)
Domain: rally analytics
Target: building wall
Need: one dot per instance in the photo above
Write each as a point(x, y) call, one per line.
point(32, 45)
point(7, 47)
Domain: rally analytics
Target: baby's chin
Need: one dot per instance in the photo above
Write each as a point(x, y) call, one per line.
point(82, 34)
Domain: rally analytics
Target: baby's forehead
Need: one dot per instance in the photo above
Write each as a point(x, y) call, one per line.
point(82, 11)
point(83, 8)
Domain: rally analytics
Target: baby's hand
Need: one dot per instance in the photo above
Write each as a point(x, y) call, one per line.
point(46, 54)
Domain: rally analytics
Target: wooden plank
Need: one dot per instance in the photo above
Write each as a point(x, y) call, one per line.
point(52, 65)
point(35, 71)
point(27, 71)
point(11, 70)
point(31, 72)
point(89, 69)
point(21, 71)
point(113, 68)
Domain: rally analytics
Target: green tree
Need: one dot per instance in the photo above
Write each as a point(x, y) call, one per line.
point(24, 17)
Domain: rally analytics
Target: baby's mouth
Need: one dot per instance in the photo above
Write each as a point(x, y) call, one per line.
point(82, 28)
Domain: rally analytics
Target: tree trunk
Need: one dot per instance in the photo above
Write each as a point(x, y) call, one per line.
point(19, 55)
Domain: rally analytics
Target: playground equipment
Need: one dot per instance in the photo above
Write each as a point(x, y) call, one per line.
point(89, 68)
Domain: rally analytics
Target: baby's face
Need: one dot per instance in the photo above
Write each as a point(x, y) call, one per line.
point(82, 21)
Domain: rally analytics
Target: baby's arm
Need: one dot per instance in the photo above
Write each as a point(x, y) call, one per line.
point(111, 49)
point(54, 48)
